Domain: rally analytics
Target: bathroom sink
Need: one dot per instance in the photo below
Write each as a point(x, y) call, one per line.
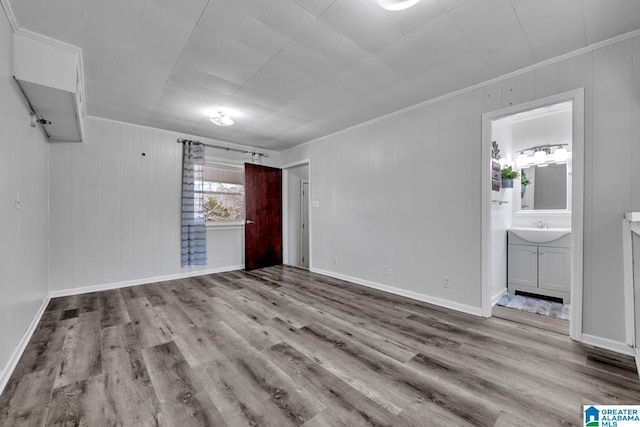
point(540, 235)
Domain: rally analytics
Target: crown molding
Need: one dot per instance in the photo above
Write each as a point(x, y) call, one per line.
point(10, 15)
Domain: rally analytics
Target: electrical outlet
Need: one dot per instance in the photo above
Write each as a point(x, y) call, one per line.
point(335, 260)
point(385, 270)
point(446, 281)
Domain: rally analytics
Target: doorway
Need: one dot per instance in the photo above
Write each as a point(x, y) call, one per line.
point(297, 219)
point(263, 216)
point(532, 230)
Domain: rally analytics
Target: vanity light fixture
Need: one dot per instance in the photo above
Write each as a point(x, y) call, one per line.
point(397, 4)
point(542, 155)
point(221, 119)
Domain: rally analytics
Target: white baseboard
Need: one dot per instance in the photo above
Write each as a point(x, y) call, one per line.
point(638, 360)
point(607, 344)
point(145, 281)
point(496, 297)
point(476, 311)
point(6, 373)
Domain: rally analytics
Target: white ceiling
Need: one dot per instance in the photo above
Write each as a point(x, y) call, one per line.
point(296, 70)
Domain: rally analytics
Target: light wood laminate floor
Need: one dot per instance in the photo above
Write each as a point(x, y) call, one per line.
point(282, 346)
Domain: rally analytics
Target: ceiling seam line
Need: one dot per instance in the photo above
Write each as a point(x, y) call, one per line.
point(515, 12)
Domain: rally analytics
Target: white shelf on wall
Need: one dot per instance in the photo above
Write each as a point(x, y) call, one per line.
point(632, 216)
point(49, 73)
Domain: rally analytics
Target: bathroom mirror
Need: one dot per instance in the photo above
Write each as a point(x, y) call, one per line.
point(547, 188)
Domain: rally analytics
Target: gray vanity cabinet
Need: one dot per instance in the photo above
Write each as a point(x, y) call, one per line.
point(540, 268)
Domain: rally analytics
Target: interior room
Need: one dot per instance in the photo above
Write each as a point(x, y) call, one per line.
point(336, 212)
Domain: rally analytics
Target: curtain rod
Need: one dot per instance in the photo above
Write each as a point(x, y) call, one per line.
point(237, 150)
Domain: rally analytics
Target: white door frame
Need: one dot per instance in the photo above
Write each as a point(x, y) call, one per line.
point(307, 230)
point(577, 205)
point(285, 211)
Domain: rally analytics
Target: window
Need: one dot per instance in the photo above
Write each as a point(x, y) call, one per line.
point(223, 189)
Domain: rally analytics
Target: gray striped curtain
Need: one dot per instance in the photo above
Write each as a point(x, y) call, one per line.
point(194, 233)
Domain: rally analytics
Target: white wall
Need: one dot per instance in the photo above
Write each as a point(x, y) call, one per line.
point(23, 169)
point(405, 190)
point(115, 215)
point(294, 234)
point(553, 128)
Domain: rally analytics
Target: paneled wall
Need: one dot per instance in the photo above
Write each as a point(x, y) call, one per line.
point(405, 191)
point(115, 214)
point(23, 232)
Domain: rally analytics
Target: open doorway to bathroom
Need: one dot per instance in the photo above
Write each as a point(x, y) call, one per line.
point(532, 213)
point(297, 221)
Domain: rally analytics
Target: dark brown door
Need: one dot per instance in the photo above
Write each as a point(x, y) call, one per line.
point(263, 216)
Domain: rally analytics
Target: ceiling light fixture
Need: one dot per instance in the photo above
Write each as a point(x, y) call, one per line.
point(221, 119)
point(397, 4)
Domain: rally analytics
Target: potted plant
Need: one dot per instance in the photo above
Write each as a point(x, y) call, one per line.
point(508, 175)
point(524, 181)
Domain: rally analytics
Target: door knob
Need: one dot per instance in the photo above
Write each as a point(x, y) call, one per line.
point(249, 221)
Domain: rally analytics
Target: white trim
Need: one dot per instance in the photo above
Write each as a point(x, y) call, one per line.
point(577, 52)
point(577, 216)
point(285, 217)
point(475, 311)
point(607, 344)
point(637, 361)
point(14, 25)
point(630, 225)
point(308, 231)
point(296, 164)
point(136, 282)
point(496, 297)
point(577, 207)
point(231, 225)
point(627, 262)
point(6, 373)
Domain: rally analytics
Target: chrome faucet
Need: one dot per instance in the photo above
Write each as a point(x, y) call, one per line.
point(540, 223)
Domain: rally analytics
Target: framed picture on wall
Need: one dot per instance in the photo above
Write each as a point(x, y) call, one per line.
point(495, 176)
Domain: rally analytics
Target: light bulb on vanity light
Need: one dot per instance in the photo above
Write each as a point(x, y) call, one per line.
point(539, 157)
point(522, 160)
point(561, 155)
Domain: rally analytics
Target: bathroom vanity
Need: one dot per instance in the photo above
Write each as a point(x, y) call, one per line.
point(539, 262)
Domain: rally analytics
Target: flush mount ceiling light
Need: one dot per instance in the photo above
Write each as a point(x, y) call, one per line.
point(397, 4)
point(221, 119)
